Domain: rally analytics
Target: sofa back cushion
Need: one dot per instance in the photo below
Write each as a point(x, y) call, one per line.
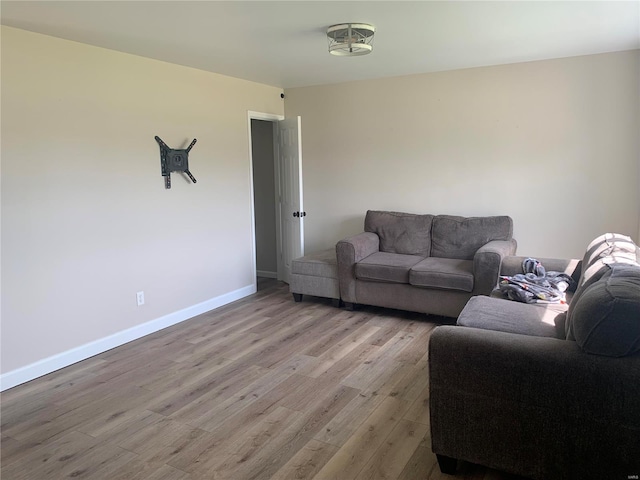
point(404, 233)
point(604, 250)
point(606, 316)
point(461, 237)
point(602, 253)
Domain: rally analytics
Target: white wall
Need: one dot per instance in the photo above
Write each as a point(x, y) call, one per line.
point(86, 220)
point(554, 144)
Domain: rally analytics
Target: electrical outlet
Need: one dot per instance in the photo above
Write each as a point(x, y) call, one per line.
point(140, 298)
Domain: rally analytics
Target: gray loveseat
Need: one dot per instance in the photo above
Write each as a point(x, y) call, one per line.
point(547, 392)
point(423, 263)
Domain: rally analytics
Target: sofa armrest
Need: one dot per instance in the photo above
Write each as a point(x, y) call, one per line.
point(512, 265)
point(518, 402)
point(487, 262)
point(349, 252)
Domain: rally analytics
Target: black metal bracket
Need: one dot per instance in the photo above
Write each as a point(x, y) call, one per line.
point(172, 160)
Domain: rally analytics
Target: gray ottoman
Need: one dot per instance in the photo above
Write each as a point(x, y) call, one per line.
point(317, 275)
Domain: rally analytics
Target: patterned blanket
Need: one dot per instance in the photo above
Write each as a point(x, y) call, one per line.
point(535, 284)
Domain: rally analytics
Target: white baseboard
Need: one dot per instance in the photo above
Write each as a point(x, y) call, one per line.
point(263, 273)
point(64, 359)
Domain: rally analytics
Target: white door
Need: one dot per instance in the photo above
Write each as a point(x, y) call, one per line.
point(290, 190)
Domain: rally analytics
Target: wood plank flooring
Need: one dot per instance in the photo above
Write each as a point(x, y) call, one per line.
point(261, 388)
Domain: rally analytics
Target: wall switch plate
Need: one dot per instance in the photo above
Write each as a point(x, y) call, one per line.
point(140, 298)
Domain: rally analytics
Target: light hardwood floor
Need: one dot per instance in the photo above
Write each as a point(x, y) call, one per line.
point(261, 388)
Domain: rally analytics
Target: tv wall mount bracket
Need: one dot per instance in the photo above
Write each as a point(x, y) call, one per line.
point(172, 160)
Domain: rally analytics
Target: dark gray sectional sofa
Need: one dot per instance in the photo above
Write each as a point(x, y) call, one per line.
point(424, 263)
point(547, 392)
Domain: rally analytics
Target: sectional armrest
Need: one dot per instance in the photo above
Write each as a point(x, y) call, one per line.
point(496, 395)
point(512, 265)
point(349, 252)
point(487, 262)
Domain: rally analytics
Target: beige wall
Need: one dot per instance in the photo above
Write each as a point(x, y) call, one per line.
point(86, 220)
point(554, 144)
point(264, 194)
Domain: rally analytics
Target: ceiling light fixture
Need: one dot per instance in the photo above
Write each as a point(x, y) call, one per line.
point(350, 39)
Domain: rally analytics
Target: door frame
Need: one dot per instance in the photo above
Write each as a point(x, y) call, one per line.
point(273, 118)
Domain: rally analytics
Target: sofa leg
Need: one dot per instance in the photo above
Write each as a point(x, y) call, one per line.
point(336, 302)
point(297, 297)
point(447, 464)
point(350, 306)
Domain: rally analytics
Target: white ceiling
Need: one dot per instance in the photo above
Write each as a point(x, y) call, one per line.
point(284, 43)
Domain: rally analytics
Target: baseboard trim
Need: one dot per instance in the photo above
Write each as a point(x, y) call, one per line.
point(64, 359)
point(264, 273)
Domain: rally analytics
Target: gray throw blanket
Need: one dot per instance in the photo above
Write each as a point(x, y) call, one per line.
point(535, 284)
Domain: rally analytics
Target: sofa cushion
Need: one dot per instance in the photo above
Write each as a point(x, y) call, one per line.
point(404, 233)
point(606, 317)
point(501, 315)
point(446, 273)
point(602, 252)
point(461, 237)
point(386, 267)
point(607, 249)
point(319, 264)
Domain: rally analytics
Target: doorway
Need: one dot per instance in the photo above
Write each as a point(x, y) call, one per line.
point(264, 198)
point(275, 156)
